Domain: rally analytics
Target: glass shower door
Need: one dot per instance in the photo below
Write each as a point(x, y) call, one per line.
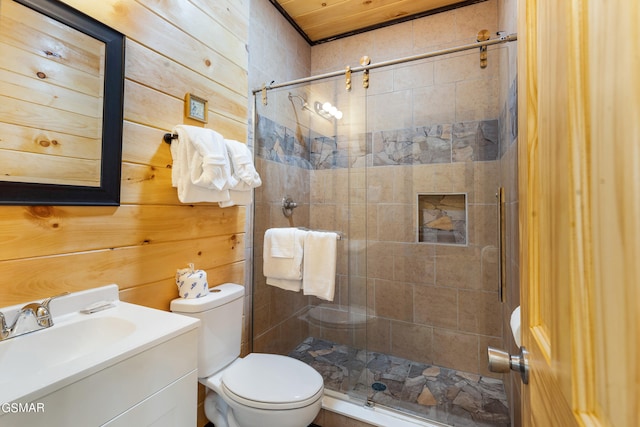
point(315, 155)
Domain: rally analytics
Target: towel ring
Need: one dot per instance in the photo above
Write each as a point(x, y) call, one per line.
point(168, 137)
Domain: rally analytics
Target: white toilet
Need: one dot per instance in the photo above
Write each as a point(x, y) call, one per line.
point(258, 390)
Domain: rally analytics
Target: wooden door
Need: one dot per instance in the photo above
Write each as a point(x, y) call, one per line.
point(579, 183)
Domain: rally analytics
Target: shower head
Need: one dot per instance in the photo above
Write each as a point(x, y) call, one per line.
point(305, 105)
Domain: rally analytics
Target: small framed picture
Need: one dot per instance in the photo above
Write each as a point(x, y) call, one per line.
point(195, 108)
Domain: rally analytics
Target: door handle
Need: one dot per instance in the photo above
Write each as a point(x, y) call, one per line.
point(501, 362)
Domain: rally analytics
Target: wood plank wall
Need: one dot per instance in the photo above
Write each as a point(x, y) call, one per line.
point(173, 47)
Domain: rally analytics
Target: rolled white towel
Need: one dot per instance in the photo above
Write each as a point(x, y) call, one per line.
point(244, 176)
point(201, 168)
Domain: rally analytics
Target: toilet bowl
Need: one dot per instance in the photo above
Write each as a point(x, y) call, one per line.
point(265, 390)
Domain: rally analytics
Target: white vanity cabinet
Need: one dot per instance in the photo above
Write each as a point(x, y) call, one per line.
point(156, 387)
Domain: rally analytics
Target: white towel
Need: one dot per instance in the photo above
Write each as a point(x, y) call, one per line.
point(244, 176)
point(319, 266)
point(282, 257)
point(201, 168)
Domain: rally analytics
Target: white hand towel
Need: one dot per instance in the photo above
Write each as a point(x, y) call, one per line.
point(282, 257)
point(319, 266)
point(201, 167)
point(282, 242)
point(244, 176)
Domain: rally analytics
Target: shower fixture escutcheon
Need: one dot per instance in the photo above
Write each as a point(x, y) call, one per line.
point(288, 205)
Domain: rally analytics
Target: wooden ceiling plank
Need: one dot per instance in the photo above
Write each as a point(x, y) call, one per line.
point(331, 22)
point(295, 8)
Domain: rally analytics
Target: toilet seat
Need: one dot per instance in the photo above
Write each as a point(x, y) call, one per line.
point(271, 381)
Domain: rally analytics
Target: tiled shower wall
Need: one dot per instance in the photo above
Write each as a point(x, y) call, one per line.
point(276, 52)
point(430, 127)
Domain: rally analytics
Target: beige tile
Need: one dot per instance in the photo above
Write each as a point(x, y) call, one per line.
point(379, 261)
point(476, 100)
point(372, 223)
point(357, 292)
point(479, 312)
point(380, 185)
point(483, 224)
point(463, 179)
point(353, 48)
point(413, 75)
point(292, 332)
point(432, 31)
point(436, 306)
point(379, 335)
point(396, 223)
point(422, 178)
point(469, 20)
point(317, 183)
point(403, 191)
point(267, 342)
point(459, 267)
point(443, 178)
point(380, 81)
point(486, 179)
point(411, 341)
point(434, 105)
point(378, 107)
point(261, 319)
point(455, 350)
point(393, 42)
point(323, 57)
point(323, 217)
point(414, 267)
point(462, 67)
point(394, 300)
point(489, 267)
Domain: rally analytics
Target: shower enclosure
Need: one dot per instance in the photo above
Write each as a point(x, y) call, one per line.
point(407, 172)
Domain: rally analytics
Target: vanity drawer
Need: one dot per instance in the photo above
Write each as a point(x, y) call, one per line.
point(103, 396)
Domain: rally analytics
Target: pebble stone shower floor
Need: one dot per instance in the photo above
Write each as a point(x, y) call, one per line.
point(439, 394)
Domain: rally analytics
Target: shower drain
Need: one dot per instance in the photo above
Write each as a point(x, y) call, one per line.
point(378, 386)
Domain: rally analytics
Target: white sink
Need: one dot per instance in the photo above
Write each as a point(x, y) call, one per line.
point(30, 354)
point(79, 344)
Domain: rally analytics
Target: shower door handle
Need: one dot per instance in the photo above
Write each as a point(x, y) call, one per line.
point(501, 362)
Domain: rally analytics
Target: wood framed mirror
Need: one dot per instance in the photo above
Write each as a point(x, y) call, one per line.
point(61, 106)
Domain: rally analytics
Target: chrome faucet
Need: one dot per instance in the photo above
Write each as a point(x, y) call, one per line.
point(32, 317)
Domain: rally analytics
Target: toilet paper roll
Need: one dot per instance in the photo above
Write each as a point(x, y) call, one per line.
point(515, 326)
point(192, 283)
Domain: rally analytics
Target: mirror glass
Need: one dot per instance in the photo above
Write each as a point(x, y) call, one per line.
point(61, 90)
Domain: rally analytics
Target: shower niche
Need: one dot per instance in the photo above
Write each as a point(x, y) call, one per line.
point(442, 218)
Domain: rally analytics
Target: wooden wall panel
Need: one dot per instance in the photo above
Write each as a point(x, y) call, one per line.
point(169, 40)
point(159, 294)
point(143, 64)
point(37, 231)
point(126, 266)
point(195, 46)
point(141, 243)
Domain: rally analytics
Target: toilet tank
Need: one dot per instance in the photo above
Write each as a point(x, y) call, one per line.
point(220, 331)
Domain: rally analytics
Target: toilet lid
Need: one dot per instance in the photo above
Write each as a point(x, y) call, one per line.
point(272, 381)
